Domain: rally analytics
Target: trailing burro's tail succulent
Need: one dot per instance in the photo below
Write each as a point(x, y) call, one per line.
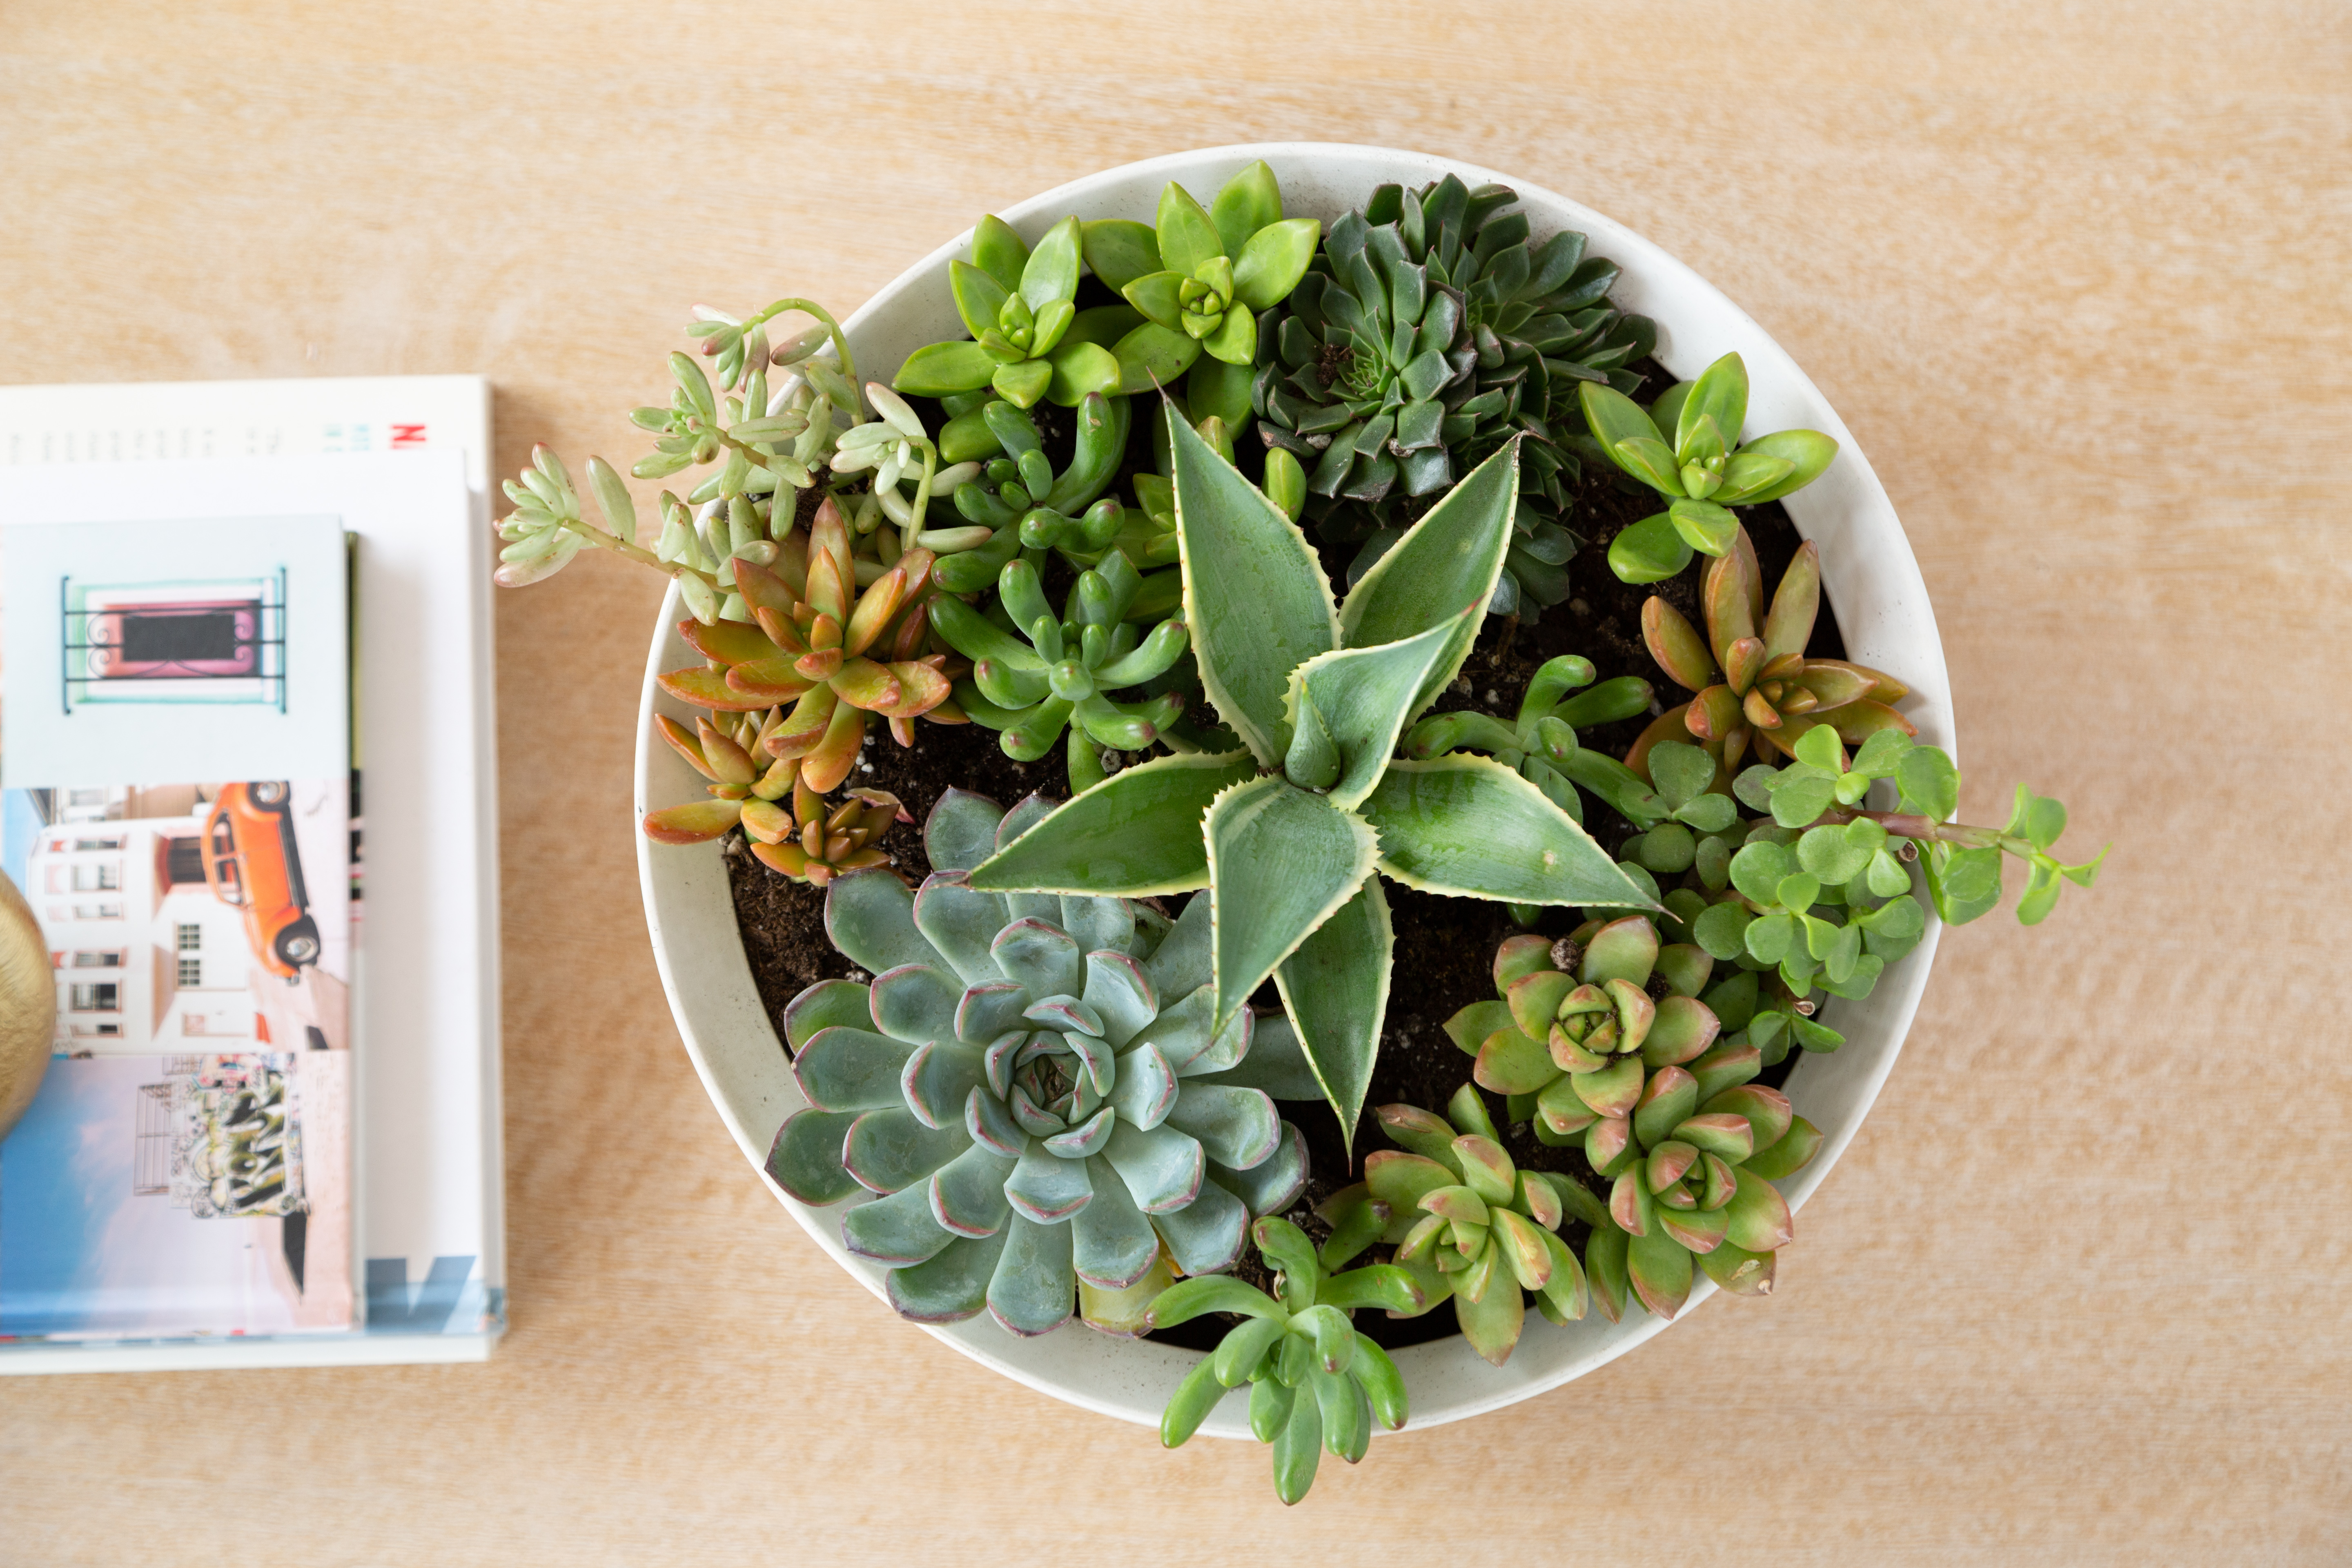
point(1035, 1086)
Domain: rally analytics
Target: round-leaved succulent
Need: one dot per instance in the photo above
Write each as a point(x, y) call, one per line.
point(1033, 1087)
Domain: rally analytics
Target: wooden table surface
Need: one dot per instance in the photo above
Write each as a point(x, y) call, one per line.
point(2074, 275)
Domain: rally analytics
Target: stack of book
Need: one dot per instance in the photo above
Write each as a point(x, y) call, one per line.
point(248, 788)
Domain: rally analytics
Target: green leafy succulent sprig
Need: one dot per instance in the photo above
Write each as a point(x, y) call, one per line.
point(1822, 792)
point(1431, 331)
point(1286, 833)
point(1686, 446)
point(1315, 1384)
point(1039, 1089)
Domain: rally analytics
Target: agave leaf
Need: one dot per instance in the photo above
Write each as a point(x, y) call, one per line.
point(1335, 991)
point(1263, 609)
point(1138, 832)
point(1469, 826)
point(1451, 557)
point(1281, 862)
point(1360, 698)
point(1276, 1062)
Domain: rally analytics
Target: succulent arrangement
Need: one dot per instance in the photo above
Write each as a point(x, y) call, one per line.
point(1224, 510)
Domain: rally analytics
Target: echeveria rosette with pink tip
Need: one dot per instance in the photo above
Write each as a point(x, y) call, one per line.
point(1467, 1224)
point(1036, 1089)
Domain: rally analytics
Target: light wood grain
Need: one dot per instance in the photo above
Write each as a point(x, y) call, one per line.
point(2075, 277)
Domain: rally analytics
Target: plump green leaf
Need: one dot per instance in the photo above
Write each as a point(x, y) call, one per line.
point(1451, 557)
point(978, 297)
point(942, 369)
point(1271, 264)
point(1247, 204)
point(1255, 599)
point(1650, 550)
point(1151, 357)
point(1334, 989)
point(1469, 826)
point(1720, 394)
point(1137, 832)
point(1188, 236)
point(1119, 250)
point(1281, 861)
point(1360, 696)
point(1051, 273)
point(1808, 452)
point(1928, 782)
point(998, 251)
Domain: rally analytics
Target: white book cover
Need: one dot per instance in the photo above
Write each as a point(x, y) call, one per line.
point(402, 463)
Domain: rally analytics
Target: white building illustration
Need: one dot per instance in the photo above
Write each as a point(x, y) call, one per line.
point(146, 957)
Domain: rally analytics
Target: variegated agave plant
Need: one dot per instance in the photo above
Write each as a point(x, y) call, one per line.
point(1039, 1089)
point(1288, 832)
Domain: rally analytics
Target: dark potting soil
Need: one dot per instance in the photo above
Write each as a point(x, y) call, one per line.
point(1444, 946)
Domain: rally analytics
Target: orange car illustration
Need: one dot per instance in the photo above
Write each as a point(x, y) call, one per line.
point(251, 863)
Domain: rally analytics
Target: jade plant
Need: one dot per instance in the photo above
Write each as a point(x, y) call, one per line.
point(1316, 1385)
point(1686, 446)
point(1432, 331)
point(1058, 671)
point(1288, 835)
point(1200, 276)
point(1755, 687)
point(1040, 1089)
point(1470, 1226)
point(1823, 793)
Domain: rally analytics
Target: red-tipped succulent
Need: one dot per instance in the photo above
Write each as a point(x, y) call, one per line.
point(840, 654)
point(1756, 689)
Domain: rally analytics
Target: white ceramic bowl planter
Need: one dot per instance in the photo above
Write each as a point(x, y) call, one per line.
point(1875, 589)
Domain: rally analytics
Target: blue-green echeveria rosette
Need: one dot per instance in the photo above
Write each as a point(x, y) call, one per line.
point(1033, 1087)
